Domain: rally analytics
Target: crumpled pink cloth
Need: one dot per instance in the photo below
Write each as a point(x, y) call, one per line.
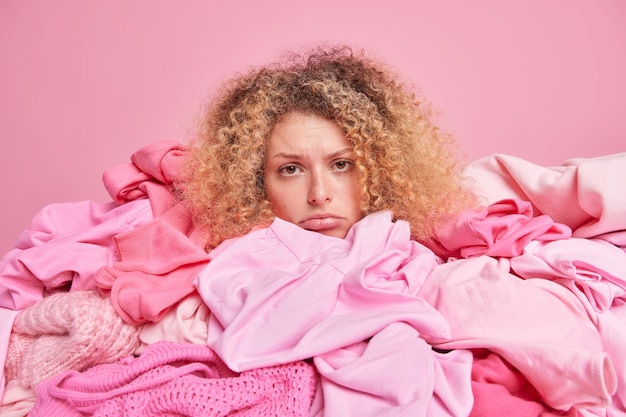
point(504, 228)
point(586, 194)
point(158, 261)
point(64, 246)
point(17, 401)
point(536, 325)
point(592, 269)
point(152, 170)
point(186, 322)
point(595, 271)
point(283, 293)
point(6, 318)
point(157, 266)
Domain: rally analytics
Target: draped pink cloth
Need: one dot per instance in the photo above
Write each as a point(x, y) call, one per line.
point(586, 194)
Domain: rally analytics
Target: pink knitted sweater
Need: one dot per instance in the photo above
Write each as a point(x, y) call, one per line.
point(175, 379)
point(66, 331)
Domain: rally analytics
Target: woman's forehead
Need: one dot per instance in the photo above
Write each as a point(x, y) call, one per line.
point(300, 132)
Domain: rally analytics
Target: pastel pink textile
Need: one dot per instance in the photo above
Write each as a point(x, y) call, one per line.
point(536, 325)
point(6, 318)
point(158, 261)
point(17, 401)
point(186, 322)
point(64, 246)
point(504, 228)
point(595, 271)
point(172, 379)
point(586, 194)
point(611, 329)
point(592, 269)
point(283, 294)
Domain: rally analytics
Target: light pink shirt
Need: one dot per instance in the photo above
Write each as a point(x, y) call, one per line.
point(283, 293)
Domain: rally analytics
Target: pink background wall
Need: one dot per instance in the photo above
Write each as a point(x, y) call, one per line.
point(83, 84)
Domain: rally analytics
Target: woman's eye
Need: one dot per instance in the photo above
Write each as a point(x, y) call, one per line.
point(289, 170)
point(342, 165)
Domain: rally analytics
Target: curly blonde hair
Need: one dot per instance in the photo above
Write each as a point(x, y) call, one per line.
point(406, 163)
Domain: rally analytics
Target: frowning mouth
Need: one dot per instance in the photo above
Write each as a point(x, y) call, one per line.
point(323, 221)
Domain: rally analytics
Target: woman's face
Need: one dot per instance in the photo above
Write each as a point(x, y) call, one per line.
point(310, 175)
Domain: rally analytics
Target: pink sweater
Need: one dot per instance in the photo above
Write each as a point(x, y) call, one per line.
point(177, 379)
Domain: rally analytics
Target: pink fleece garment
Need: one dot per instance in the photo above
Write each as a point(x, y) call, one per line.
point(17, 401)
point(283, 293)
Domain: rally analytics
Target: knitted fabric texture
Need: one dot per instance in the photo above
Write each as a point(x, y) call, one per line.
point(178, 379)
point(66, 331)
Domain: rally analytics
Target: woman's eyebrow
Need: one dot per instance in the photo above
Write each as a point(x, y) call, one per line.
point(286, 155)
point(340, 152)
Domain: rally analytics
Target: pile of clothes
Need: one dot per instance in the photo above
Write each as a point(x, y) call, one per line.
point(517, 309)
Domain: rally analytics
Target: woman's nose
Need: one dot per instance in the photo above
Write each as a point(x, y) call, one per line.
point(319, 190)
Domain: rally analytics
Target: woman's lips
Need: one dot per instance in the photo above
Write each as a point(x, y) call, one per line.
point(318, 223)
